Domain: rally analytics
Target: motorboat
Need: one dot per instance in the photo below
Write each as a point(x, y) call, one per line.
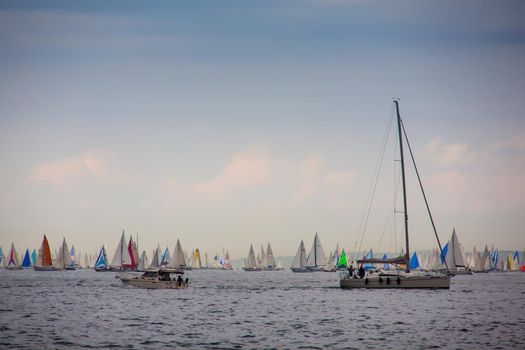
point(161, 278)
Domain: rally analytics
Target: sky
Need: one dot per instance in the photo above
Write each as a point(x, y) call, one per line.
point(230, 123)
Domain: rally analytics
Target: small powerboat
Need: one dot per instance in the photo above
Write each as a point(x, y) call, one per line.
point(160, 278)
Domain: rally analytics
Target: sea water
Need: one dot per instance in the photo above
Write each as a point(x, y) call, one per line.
point(237, 309)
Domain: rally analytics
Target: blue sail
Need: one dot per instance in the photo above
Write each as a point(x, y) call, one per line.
point(101, 262)
point(27, 259)
point(1, 255)
point(414, 261)
point(444, 254)
point(368, 266)
point(386, 266)
point(165, 257)
point(516, 257)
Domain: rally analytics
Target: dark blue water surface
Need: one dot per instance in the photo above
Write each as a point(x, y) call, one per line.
point(237, 309)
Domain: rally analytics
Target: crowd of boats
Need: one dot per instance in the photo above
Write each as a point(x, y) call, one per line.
point(404, 270)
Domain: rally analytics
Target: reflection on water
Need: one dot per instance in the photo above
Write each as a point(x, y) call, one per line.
point(237, 309)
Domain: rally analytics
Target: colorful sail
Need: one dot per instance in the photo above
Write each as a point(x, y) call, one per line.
point(12, 260)
point(27, 260)
point(102, 260)
point(414, 262)
point(43, 260)
point(342, 263)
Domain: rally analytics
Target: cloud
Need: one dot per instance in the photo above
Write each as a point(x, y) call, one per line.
point(250, 167)
point(484, 177)
point(91, 164)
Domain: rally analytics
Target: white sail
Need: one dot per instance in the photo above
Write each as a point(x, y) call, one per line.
point(299, 261)
point(270, 258)
point(316, 256)
point(143, 262)
point(155, 261)
point(251, 263)
point(263, 263)
point(121, 256)
point(63, 258)
point(487, 264)
point(178, 260)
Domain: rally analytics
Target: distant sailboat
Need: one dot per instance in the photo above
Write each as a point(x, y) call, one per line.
point(178, 260)
point(26, 263)
point(166, 257)
point(270, 259)
point(454, 257)
point(316, 260)
point(143, 262)
point(43, 260)
point(250, 263)
point(122, 257)
point(342, 264)
point(155, 260)
point(63, 261)
point(196, 262)
point(13, 262)
point(101, 265)
point(33, 257)
point(299, 263)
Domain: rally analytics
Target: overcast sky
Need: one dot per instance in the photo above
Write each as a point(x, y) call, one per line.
point(225, 123)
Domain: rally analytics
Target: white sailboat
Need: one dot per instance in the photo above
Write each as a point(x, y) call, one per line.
point(406, 278)
point(299, 263)
point(63, 261)
point(122, 257)
point(270, 259)
point(178, 260)
point(143, 262)
point(250, 263)
point(454, 258)
point(155, 261)
point(316, 260)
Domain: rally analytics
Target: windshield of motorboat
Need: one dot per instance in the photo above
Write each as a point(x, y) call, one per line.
point(150, 274)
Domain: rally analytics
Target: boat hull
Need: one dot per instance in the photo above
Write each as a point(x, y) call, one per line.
point(152, 284)
point(301, 270)
point(47, 268)
point(401, 282)
point(251, 269)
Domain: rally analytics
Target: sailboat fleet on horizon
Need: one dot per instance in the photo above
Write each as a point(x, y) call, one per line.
point(403, 271)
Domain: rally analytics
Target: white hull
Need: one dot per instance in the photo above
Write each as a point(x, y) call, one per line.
point(404, 281)
point(152, 283)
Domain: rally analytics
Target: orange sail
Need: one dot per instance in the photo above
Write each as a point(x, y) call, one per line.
point(46, 253)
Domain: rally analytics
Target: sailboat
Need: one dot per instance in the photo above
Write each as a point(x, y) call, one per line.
point(63, 261)
point(26, 263)
point(250, 263)
point(316, 260)
point(33, 257)
point(454, 257)
point(178, 261)
point(196, 262)
point(13, 262)
point(101, 265)
point(271, 265)
point(143, 262)
point(43, 260)
point(406, 278)
point(342, 264)
point(299, 263)
point(155, 261)
point(122, 257)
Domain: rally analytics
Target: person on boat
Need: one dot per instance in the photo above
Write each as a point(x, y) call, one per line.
point(351, 270)
point(361, 271)
point(179, 281)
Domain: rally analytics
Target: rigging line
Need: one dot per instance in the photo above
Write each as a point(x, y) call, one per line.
point(423, 192)
point(373, 187)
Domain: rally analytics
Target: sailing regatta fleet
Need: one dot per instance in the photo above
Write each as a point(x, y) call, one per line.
point(432, 269)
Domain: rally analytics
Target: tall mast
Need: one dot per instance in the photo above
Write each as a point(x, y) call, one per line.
point(405, 211)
